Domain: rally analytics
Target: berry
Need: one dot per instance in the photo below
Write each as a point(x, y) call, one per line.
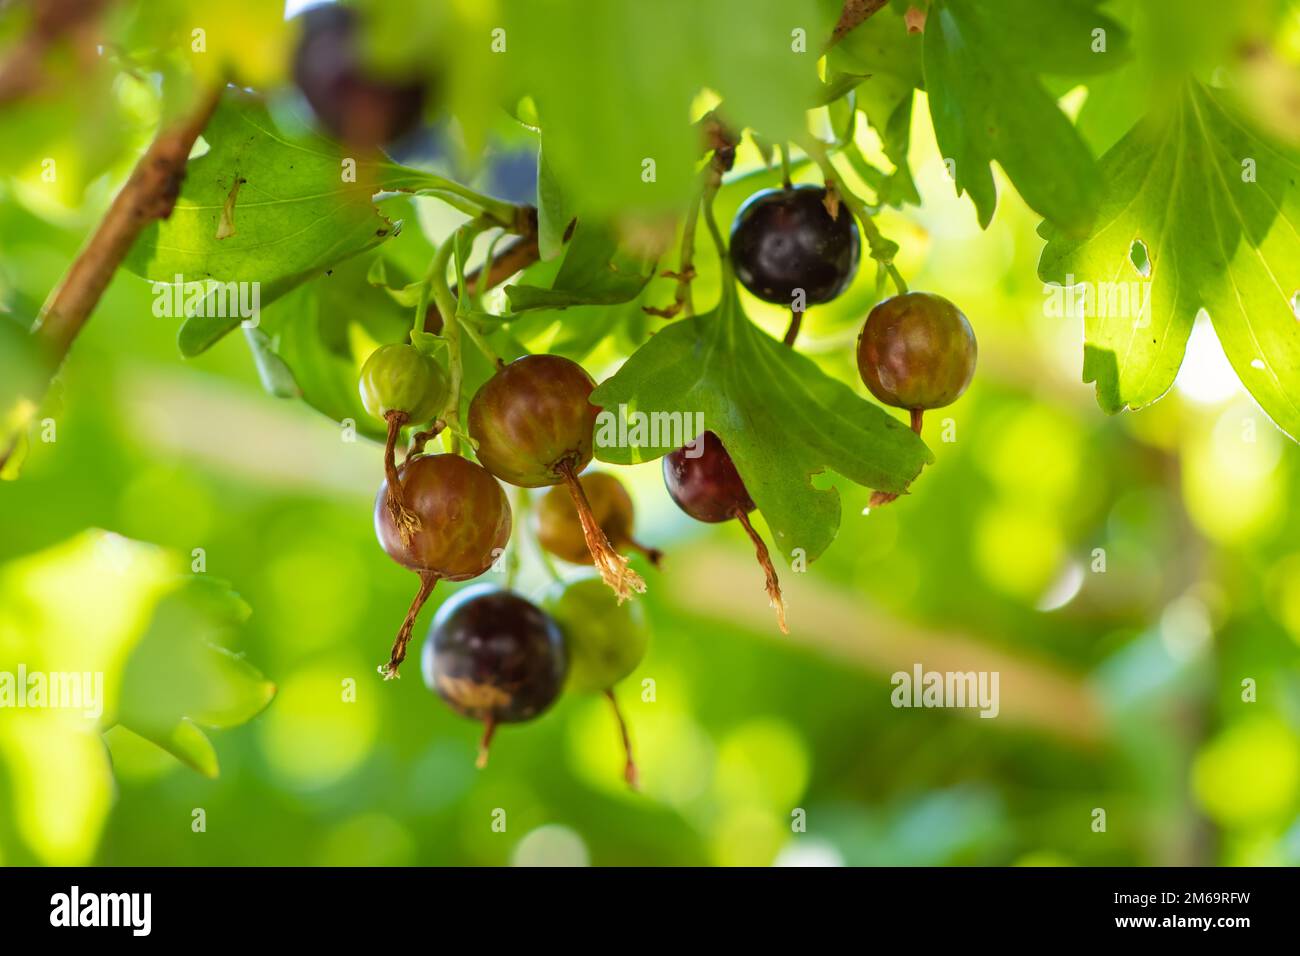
point(605, 639)
point(703, 481)
point(400, 384)
point(464, 524)
point(400, 379)
point(559, 529)
point(916, 351)
point(534, 426)
point(354, 105)
point(532, 421)
point(494, 657)
point(784, 239)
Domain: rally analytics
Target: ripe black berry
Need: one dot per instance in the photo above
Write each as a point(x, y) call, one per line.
point(534, 427)
point(464, 524)
point(560, 531)
point(785, 239)
point(703, 481)
point(353, 104)
point(494, 657)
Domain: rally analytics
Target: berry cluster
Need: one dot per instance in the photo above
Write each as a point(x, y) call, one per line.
point(447, 518)
point(492, 654)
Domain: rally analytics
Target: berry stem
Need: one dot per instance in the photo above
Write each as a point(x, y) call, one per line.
point(653, 555)
point(773, 585)
point(467, 325)
point(792, 333)
point(879, 498)
point(427, 580)
point(882, 249)
point(485, 742)
point(420, 182)
point(611, 565)
point(406, 521)
point(422, 438)
point(477, 284)
point(523, 505)
point(685, 274)
point(435, 284)
point(629, 768)
point(728, 279)
point(786, 182)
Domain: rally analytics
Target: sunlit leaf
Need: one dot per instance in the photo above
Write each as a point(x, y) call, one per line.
point(1199, 212)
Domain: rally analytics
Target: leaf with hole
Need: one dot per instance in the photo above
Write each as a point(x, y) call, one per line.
point(1199, 212)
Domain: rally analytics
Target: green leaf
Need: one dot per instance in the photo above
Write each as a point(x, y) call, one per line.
point(188, 744)
point(1057, 37)
point(428, 342)
point(178, 676)
point(594, 272)
point(554, 210)
point(1214, 237)
point(781, 418)
point(608, 107)
point(324, 330)
point(839, 85)
point(150, 639)
point(276, 376)
point(987, 103)
point(883, 48)
point(293, 217)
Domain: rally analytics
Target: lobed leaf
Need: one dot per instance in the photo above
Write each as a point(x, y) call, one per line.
point(1212, 208)
point(780, 417)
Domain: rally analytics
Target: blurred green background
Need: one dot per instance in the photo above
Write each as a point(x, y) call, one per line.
point(1124, 576)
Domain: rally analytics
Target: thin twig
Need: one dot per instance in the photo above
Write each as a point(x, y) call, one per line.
point(881, 248)
point(685, 274)
point(854, 14)
point(23, 70)
point(148, 195)
point(516, 257)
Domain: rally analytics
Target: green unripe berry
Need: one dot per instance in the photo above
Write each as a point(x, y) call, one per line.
point(605, 640)
point(401, 378)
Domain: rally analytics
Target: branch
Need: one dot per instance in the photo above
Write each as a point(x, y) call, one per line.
point(22, 71)
point(855, 12)
point(516, 257)
point(148, 195)
point(715, 583)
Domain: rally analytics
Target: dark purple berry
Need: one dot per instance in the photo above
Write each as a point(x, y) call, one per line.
point(494, 657)
point(784, 240)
